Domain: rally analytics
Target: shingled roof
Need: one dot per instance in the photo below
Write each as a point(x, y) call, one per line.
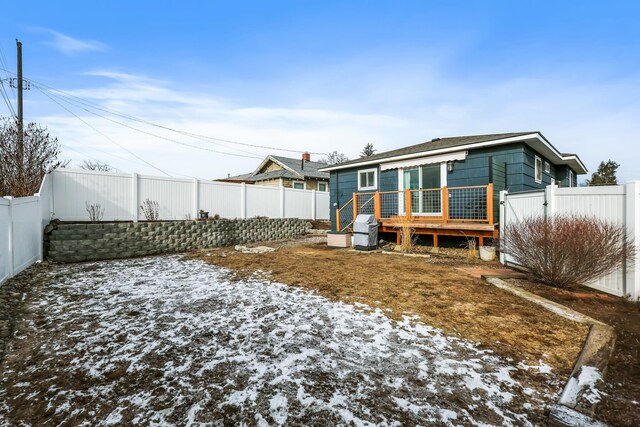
point(434, 144)
point(293, 169)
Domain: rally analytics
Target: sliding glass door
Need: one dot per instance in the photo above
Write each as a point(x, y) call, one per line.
point(426, 180)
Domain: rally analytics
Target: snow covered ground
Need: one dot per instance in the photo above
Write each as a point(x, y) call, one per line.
point(175, 341)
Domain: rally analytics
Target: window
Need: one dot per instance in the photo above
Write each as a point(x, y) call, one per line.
point(322, 186)
point(298, 185)
point(538, 172)
point(367, 179)
point(547, 167)
point(570, 178)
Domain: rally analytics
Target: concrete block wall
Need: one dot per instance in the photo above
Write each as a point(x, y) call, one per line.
point(92, 242)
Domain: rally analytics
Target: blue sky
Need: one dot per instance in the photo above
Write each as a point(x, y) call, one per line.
point(326, 76)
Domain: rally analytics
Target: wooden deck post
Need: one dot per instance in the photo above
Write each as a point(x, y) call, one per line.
point(490, 203)
point(435, 240)
point(356, 207)
point(407, 204)
point(445, 204)
point(377, 206)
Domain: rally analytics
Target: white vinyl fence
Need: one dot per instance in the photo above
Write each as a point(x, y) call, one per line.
point(120, 196)
point(65, 193)
point(619, 204)
point(22, 221)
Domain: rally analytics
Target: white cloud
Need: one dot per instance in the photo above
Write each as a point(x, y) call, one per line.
point(70, 45)
point(595, 119)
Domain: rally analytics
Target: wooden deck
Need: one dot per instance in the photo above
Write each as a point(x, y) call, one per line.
point(449, 211)
point(435, 229)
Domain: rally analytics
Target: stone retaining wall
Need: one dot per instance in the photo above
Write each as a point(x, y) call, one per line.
point(92, 242)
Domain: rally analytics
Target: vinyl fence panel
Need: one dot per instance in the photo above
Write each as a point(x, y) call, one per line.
point(220, 198)
point(72, 190)
point(27, 232)
point(262, 201)
point(323, 205)
point(297, 204)
point(174, 196)
point(21, 226)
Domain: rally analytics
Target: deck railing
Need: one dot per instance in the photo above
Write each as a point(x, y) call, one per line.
point(447, 204)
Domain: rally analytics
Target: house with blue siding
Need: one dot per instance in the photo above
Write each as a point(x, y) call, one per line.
point(452, 184)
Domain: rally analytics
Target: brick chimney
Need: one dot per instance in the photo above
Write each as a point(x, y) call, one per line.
point(306, 157)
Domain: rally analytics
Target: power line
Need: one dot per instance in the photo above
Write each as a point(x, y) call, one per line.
point(182, 132)
point(113, 155)
point(191, 134)
point(7, 100)
point(104, 135)
point(74, 100)
point(159, 136)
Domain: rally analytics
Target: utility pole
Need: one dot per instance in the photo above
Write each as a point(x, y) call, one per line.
point(20, 110)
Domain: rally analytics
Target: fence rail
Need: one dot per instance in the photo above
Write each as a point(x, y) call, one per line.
point(619, 204)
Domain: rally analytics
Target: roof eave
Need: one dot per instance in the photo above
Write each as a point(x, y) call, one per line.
point(520, 138)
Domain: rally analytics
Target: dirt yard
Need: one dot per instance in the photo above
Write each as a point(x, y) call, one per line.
point(430, 288)
point(621, 403)
point(176, 341)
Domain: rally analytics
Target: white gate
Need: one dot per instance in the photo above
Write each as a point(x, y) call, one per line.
point(619, 204)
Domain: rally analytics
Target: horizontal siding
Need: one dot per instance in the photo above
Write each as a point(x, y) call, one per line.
point(529, 183)
point(474, 170)
point(389, 180)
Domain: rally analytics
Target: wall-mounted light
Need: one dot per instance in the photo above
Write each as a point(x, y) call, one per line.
point(450, 166)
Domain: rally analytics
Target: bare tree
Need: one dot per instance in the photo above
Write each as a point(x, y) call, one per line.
point(22, 173)
point(567, 250)
point(333, 158)
point(96, 165)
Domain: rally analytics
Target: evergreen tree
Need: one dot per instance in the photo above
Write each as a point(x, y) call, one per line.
point(605, 175)
point(368, 150)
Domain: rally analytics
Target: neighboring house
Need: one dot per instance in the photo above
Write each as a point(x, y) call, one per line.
point(301, 174)
point(449, 182)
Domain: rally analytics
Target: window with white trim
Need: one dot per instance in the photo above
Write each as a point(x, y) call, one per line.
point(298, 185)
point(538, 171)
point(547, 167)
point(322, 186)
point(368, 179)
point(570, 178)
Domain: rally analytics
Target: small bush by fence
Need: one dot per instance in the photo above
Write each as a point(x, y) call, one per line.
point(567, 250)
point(617, 205)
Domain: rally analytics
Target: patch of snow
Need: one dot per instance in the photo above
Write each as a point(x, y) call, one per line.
point(583, 387)
point(199, 346)
point(278, 409)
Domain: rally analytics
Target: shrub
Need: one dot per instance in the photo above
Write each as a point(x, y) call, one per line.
point(567, 249)
point(408, 238)
point(95, 211)
point(150, 209)
point(471, 246)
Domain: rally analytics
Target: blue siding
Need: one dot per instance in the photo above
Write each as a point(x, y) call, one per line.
point(528, 171)
point(474, 170)
point(562, 176)
point(389, 180)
